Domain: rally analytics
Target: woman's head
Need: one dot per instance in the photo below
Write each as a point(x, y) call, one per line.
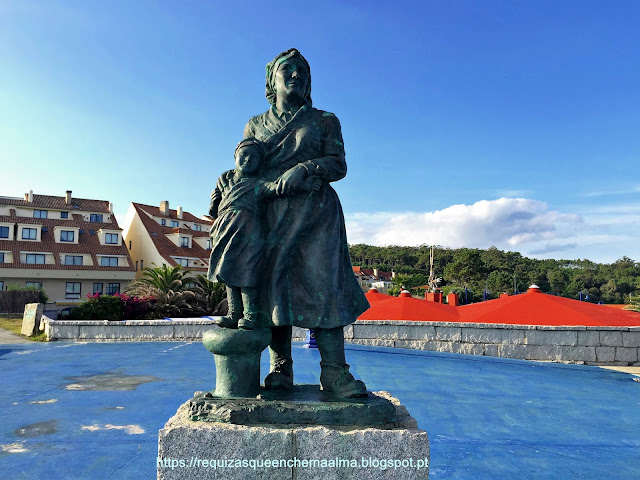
point(249, 154)
point(288, 74)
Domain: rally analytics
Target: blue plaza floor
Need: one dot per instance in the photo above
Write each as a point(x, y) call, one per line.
point(93, 410)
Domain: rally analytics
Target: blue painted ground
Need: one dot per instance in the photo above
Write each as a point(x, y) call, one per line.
point(487, 418)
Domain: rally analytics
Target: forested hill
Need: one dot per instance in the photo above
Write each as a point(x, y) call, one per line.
point(494, 270)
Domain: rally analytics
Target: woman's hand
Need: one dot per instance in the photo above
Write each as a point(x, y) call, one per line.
point(291, 180)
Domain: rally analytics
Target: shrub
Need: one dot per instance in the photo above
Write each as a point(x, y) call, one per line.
point(113, 308)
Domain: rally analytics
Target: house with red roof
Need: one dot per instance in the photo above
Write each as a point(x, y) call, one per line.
point(68, 246)
point(159, 236)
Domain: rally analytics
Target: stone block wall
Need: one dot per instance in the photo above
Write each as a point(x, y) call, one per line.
point(581, 345)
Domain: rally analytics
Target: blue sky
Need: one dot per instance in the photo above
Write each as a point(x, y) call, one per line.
point(466, 123)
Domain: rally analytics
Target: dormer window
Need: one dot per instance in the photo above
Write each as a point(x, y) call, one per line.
point(39, 214)
point(29, 233)
point(34, 258)
point(111, 238)
point(64, 214)
point(208, 244)
point(4, 232)
point(67, 236)
point(183, 262)
point(184, 242)
point(163, 222)
point(95, 217)
point(175, 223)
point(197, 228)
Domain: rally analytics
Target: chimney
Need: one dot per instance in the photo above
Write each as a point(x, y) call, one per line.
point(29, 196)
point(164, 208)
point(452, 299)
point(375, 272)
point(435, 297)
point(111, 208)
point(179, 212)
point(67, 197)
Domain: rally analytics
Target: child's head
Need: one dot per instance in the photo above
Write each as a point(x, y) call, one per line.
point(249, 155)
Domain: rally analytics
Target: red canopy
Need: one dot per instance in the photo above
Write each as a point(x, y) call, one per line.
point(537, 308)
point(406, 307)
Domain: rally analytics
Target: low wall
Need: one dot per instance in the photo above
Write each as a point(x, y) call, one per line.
point(581, 345)
point(182, 329)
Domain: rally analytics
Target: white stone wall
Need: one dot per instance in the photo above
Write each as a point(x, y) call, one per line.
point(581, 345)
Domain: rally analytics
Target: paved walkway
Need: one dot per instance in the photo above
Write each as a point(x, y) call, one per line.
point(7, 337)
point(93, 410)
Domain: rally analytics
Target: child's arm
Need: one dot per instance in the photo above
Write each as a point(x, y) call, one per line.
point(216, 196)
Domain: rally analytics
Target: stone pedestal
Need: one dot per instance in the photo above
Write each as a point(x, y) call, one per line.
point(212, 450)
point(237, 356)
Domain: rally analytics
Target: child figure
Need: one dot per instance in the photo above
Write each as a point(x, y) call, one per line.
point(237, 235)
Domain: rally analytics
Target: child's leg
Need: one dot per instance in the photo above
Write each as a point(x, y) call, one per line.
point(251, 308)
point(234, 299)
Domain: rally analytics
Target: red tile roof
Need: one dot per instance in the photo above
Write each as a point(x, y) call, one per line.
point(58, 203)
point(173, 215)
point(166, 248)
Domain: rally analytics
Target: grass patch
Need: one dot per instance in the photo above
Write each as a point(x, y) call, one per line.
point(13, 323)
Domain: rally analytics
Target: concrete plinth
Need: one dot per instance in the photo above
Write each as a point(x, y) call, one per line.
point(209, 450)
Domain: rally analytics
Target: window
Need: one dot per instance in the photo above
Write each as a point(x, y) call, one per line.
point(97, 288)
point(1, 257)
point(95, 217)
point(163, 222)
point(113, 288)
point(108, 261)
point(35, 258)
point(184, 241)
point(37, 285)
point(111, 238)
point(64, 214)
point(183, 261)
point(29, 233)
point(136, 265)
point(4, 232)
point(40, 214)
point(129, 244)
point(141, 264)
point(209, 244)
point(67, 236)
point(73, 259)
point(174, 223)
point(72, 290)
point(1, 285)
point(197, 228)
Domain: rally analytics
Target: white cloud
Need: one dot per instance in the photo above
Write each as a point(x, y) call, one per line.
point(508, 223)
point(601, 233)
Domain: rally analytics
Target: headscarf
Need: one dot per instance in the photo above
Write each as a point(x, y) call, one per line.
point(272, 68)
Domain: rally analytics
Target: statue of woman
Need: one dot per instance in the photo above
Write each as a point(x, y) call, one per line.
point(308, 278)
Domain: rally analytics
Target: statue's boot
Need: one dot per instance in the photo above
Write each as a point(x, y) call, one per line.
point(335, 376)
point(281, 374)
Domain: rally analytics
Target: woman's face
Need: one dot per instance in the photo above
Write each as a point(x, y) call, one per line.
point(291, 79)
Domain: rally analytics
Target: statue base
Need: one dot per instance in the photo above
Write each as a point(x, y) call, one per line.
point(303, 404)
point(212, 450)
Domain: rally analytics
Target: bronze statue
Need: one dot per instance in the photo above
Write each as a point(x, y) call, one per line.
point(304, 271)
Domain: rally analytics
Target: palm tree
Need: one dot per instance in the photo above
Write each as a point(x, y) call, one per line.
point(166, 278)
point(212, 294)
point(168, 285)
